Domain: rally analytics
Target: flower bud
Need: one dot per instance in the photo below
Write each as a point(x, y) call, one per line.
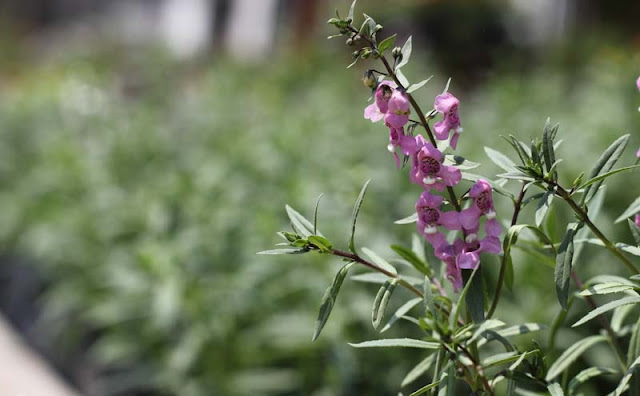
point(377, 28)
point(369, 79)
point(355, 54)
point(397, 52)
point(357, 38)
point(349, 41)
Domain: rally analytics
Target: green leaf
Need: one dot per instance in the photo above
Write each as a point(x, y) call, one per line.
point(406, 53)
point(418, 370)
point(459, 162)
point(321, 243)
point(401, 77)
point(607, 307)
point(379, 261)
point(300, 224)
point(564, 259)
point(425, 388)
point(354, 216)
point(416, 86)
point(381, 301)
point(604, 164)
point(634, 343)
point(386, 44)
point(475, 296)
point(283, 251)
point(635, 231)
point(605, 175)
point(315, 216)
point(455, 312)
point(633, 369)
point(585, 375)
point(555, 389)
point(413, 259)
point(427, 296)
point(412, 218)
point(400, 312)
point(543, 207)
point(571, 354)
point(500, 159)
point(351, 10)
point(329, 299)
point(486, 325)
point(500, 358)
point(397, 342)
point(605, 288)
point(548, 150)
point(515, 330)
point(630, 211)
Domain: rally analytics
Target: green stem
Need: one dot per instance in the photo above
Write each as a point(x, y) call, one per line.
point(358, 259)
point(436, 372)
point(503, 263)
point(564, 194)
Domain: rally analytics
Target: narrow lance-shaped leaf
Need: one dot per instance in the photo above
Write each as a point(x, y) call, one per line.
point(429, 301)
point(352, 10)
point(315, 216)
point(401, 78)
point(604, 165)
point(564, 260)
point(548, 150)
point(329, 299)
point(300, 224)
point(379, 261)
point(571, 354)
point(354, 216)
point(607, 307)
point(475, 296)
point(453, 318)
point(418, 370)
point(283, 251)
point(500, 159)
point(386, 44)
point(400, 312)
point(381, 301)
point(555, 389)
point(418, 85)
point(633, 369)
point(397, 342)
point(607, 174)
point(543, 207)
point(413, 259)
point(630, 211)
point(585, 375)
point(406, 53)
point(635, 231)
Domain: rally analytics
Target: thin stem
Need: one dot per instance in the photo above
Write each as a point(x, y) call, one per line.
point(436, 373)
point(605, 324)
point(478, 368)
point(564, 194)
point(358, 259)
point(503, 263)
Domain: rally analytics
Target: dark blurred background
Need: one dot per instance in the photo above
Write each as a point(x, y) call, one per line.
point(148, 147)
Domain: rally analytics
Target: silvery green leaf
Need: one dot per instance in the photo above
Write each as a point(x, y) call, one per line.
point(571, 354)
point(406, 54)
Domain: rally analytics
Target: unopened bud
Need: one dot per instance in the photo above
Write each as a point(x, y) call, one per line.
point(357, 38)
point(349, 41)
point(355, 54)
point(369, 79)
point(397, 52)
point(377, 28)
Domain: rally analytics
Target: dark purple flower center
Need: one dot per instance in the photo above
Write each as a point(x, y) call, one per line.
point(386, 92)
point(429, 165)
point(483, 201)
point(429, 215)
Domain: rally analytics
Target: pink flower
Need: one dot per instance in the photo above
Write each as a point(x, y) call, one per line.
point(482, 205)
point(430, 216)
point(638, 153)
point(638, 83)
point(376, 110)
point(447, 104)
point(448, 254)
point(398, 110)
point(637, 220)
point(428, 170)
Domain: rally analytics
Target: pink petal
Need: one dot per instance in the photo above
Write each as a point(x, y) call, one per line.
point(372, 113)
point(638, 83)
point(436, 240)
point(468, 260)
point(454, 275)
point(450, 220)
point(441, 130)
point(450, 175)
point(492, 227)
point(445, 102)
point(469, 217)
point(393, 120)
point(454, 140)
point(397, 160)
point(491, 244)
point(637, 220)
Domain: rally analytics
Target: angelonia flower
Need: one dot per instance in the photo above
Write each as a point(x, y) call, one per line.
point(447, 104)
point(428, 171)
point(637, 220)
point(638, 83)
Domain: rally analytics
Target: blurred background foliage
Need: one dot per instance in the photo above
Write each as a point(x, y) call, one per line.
point(135, 190)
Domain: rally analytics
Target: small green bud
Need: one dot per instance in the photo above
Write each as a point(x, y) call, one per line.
point(366, 53)
point(357, 38)
point(355, 54)
point(349, 41)
point(333, 21)
point(377, 28)
point(369, 79)
point(349, 20)
point(397, 52)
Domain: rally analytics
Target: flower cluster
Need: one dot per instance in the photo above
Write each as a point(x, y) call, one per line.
point(429, 171)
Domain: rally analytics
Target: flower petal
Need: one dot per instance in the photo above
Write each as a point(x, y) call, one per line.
point(492, 227)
